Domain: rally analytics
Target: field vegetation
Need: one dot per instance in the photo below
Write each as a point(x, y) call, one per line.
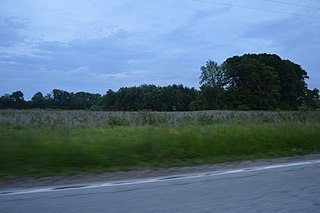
point(40, 142)
point(81, 118)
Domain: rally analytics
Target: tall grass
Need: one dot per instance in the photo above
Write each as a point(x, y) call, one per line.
point(48, 150)
point(102, 119)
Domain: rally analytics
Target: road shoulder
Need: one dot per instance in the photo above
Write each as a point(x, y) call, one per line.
point(24, 183)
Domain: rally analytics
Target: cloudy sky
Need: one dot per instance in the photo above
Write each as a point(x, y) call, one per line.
point(96, 45)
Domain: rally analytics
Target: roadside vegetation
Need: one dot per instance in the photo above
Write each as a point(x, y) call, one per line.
point(41, 150)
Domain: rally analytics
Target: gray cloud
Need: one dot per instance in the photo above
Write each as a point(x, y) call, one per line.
point(109, 53)
point(103, 45)
point(10, 26)
point(288, 32)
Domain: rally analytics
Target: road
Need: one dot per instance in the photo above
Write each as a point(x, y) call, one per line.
point(276, 188)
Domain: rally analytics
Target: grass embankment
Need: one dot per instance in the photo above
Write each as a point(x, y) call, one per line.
point(49, 150)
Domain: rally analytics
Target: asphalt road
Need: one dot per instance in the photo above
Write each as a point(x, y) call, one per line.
point(277, 188)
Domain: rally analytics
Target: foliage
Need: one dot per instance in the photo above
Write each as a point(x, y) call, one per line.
point(212, 85)
point(149, 97)
point(312, 99)
point(256, 82)
point(58, 99)
point(48, 150)
point(15, 101)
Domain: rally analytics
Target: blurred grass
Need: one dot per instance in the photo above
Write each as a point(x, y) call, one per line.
point(78, 118)
point(51, 150)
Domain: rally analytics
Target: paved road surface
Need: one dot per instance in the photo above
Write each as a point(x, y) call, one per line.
point(284, 188)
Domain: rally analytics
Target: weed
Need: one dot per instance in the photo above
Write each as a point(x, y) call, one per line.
point(38, 149)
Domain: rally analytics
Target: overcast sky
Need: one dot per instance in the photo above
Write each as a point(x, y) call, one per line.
point(96, 45)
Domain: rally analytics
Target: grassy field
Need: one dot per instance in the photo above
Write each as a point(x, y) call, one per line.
point(78, 118)
point(33, 150)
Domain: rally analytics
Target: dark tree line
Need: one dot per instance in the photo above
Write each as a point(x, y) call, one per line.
point(248, 82)
point(57, 99)
point(150, 97)
point(144, 97)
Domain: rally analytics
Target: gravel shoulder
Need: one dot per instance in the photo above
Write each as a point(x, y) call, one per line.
point(31, 182)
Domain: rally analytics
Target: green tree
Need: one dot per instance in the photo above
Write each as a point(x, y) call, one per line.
point(252, 84)
point(61, 99)
point(13, 101)
point(38, 101)
point(149, 97)
point(83, 100)
point(312, 98)
point(6, 102)
point(264, 81)
point(212, 84)
point(18, 99)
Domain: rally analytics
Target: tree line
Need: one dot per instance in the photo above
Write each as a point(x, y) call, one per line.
point(248, 82)
point(57, 99)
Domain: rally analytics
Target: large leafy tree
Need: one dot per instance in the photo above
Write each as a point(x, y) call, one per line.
point(212, 85)
point(255, 81)
point(251, 84)
point(292, 79)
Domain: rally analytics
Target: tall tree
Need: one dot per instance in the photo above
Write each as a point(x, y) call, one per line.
point(254, 81)
point(264, 81)
point(253, 85)
point(212, 84)
point(38, 101)
point(18, 99)
point(61, 99)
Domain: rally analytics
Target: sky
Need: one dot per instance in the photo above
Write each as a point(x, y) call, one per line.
point(96, 45)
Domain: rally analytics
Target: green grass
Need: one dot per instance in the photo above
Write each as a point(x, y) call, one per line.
point(51, 150)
